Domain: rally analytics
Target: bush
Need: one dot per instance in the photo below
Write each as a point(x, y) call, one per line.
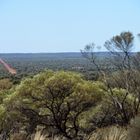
point(55, 100)
point(134, 131)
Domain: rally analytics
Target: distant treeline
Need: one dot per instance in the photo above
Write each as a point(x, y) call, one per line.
point(32, 63)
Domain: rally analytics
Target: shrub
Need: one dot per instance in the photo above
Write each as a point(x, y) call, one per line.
point(55, 100)
point(134, 131)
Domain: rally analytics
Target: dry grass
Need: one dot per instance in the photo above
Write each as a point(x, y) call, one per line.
point(112, 133)
point(18, 136)
point(40, 136)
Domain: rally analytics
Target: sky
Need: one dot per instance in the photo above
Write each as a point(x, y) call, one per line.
point(31, 26)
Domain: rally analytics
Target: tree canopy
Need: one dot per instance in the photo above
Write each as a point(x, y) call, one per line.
point(55, 100)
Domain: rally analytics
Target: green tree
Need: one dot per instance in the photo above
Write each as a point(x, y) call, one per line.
point(125, 75)
point(5, 84)
point(56, 100)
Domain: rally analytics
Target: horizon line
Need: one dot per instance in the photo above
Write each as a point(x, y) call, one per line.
point(55, 52)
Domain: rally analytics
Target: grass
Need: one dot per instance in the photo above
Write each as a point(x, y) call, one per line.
point(108, 133)
point(39, 136)
point(111, 133)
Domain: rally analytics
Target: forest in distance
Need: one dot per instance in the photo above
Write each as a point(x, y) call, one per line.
point(72, 96)
point(28, 64)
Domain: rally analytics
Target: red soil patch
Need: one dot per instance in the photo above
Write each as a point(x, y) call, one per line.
point(8, 68)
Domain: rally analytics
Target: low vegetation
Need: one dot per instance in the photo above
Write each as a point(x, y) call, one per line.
point(62, 104)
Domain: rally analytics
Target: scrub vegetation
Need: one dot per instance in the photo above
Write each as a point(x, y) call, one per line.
point(74, 96)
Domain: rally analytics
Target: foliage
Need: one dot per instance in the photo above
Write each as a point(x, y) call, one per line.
point(134, 131)
point(110, 113)
point(125, 77)
point(70, 104)
point(55, 100)
point(5, 84)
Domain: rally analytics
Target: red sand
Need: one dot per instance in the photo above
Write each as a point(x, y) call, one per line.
point(10, 70)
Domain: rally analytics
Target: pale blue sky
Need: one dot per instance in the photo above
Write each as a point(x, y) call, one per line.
point(64, 25)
